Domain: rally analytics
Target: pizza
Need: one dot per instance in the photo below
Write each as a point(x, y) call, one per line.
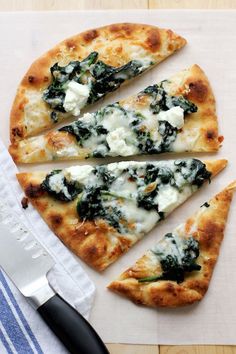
point(84, 68)
point(176, 115)
point(100, 211)
point(177, 270)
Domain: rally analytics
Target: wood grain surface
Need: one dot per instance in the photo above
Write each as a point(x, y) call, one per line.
point(53, 5)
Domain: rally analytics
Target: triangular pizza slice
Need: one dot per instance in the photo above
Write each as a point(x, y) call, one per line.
point(99, 212)
point(178, 269)
point(82, 69)
point(176, 115)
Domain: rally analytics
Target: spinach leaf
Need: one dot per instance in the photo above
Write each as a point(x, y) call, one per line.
point(177, 259)
point(162, 101)
point(194, 172)
point(90, 206)
point(79, 129)
point(69, 190)
point(106, 176)
point(108, 78)
point(168, 133)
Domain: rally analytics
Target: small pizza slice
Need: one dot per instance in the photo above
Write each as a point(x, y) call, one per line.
point(176, 115)
point(178, 269)
point(99, 212)
point(82, 69)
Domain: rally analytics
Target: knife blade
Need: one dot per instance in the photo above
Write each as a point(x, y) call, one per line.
point(27, 263)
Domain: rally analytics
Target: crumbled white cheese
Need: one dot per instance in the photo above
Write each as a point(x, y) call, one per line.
point(120, 142)
point(56, 183)
point(87, 118)
point(167, 198)
point(78, 173)
point(174, 116)
point(123, 165)
point(76, 97)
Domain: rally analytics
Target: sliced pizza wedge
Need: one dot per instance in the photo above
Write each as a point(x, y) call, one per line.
point(82, 69)
point(176, 115)
point(99, 212)
point(178, 269)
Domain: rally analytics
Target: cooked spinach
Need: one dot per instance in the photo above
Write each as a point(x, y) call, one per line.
point(79, 129)
point(83, 131)
point(90, 206)
point(108, 78)
point(162, 101)
point(194, 171)
point(205, 205)
point(106, 176)
point(168, 133)
point(177, 259)
point(68, 192)
point(100, 77)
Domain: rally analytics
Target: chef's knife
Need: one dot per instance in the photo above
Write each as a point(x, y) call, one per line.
point(27, 263)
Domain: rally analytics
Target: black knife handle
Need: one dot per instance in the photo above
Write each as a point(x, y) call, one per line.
point(71, 328)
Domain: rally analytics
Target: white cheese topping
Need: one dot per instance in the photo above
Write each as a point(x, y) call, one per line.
point(76, 97)
point(56, 183)
point(120, 142)
point(78, 173)
point(115, 119)
point(174, 116)
point(144, 220)
point(167, 198)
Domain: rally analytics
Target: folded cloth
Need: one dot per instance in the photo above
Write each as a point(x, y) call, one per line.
point(21, 329)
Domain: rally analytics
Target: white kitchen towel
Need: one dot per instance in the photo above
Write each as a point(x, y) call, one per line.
point(21, 328)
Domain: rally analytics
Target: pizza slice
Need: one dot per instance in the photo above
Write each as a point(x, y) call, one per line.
point(99, 212)
point(176, 115)
point(82, 69)
point(178, 269)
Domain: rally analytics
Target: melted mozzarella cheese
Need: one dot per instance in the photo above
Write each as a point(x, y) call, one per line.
point(76, 97)
point(144, 220)
point(115, 119)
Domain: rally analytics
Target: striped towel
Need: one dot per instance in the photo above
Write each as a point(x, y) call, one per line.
point(21, 329)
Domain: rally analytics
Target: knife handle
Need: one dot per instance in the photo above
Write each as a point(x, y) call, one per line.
point(71, 328)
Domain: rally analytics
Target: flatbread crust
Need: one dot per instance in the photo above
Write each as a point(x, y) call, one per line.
point(207, 226)
point(200, 131)
point(97, 243)
point(114, 43)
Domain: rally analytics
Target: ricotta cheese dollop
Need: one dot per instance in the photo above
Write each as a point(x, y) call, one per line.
point(76, 97)
point(174, 116)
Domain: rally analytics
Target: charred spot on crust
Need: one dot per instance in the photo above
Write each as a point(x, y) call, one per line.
point(126, 27)
point(153, 40)
point(210, 134)
point(198, 91)
point(17, 132)
point(34, 191)
point(90, 35)
point(71, 44)
point(56, 219)
point(45, 79)
point(24, 202)
point(31, 79)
